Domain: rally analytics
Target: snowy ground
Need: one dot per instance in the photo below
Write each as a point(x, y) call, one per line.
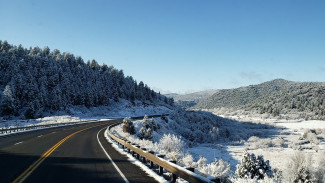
point(116, 110)
point(276, 144)
point(292, 133)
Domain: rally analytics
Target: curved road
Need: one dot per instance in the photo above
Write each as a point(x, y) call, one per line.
point(78, 158)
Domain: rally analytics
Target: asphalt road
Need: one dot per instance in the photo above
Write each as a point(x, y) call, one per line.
point(80, 158)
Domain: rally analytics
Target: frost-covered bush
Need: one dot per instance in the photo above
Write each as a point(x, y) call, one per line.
point(299, 169)
point(252, 167)
point(148, 144)
point(218, 169)
point(128, 126)
point(311, 135)
point(253, 139)
point(320, 171)
point(319, 131)
point(265, 180)
point(172, 146)
point(256, 142)
point(201, 162)
point(188, 160)
point(278, 142)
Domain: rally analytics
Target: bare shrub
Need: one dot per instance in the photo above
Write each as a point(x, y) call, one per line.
point(299, 169)
point(256, 143)
point(172, 145)
point(201, 162)
point(278, 142)
point(188, 160)
point(320, 172)
point(218, 169)
point(311, 135)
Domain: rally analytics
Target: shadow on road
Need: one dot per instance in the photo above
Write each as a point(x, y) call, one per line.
point(59, 169)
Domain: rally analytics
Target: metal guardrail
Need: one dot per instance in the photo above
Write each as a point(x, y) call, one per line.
point(176, 170)
point(9, 130)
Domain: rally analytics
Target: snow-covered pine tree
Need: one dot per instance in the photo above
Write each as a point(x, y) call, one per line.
point(128, 126)
point(145, 121)
point(7, 101)
point(146, 130)
point(252, 167)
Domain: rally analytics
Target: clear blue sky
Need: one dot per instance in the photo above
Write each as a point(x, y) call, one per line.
point(180, 45)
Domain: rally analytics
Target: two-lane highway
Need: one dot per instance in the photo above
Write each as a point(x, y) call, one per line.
point(65, 154)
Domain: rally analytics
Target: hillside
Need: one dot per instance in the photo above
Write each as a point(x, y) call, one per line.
point(279, 98)
point(34, 81)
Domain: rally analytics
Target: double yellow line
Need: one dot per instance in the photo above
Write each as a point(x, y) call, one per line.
point(23, 176)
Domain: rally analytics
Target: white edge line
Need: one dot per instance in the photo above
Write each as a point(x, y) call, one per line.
point(119, 171)
point(18, 143)
point(135, 161)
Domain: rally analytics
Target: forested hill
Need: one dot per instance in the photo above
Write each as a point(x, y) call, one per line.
point(277, 97)
point(35, 80)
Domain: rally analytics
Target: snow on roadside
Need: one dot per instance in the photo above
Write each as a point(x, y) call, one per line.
point(80, 113)
point(135, 161)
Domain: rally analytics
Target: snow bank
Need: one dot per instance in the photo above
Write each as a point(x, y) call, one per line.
point(80, 113)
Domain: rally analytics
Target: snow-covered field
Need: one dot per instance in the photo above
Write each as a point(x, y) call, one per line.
point(116, 110)
point(277, 140)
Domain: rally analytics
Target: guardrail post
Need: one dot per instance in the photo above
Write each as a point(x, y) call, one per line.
point(138, 155)
point(151, 163)
point(143, 158)
point(190, 169)
point(129, 150)
point(174, 177)
point(161, 169)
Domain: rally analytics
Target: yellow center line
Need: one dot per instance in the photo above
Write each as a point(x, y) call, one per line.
point(23, 176)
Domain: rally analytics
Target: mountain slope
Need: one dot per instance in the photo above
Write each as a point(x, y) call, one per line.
point(277, 97)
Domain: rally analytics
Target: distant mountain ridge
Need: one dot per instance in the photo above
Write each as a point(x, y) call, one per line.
point(190, 99)
point(278, 97)
point(195, 96)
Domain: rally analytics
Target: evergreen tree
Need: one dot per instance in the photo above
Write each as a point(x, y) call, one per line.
point(252, 167)
point(7, 101)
